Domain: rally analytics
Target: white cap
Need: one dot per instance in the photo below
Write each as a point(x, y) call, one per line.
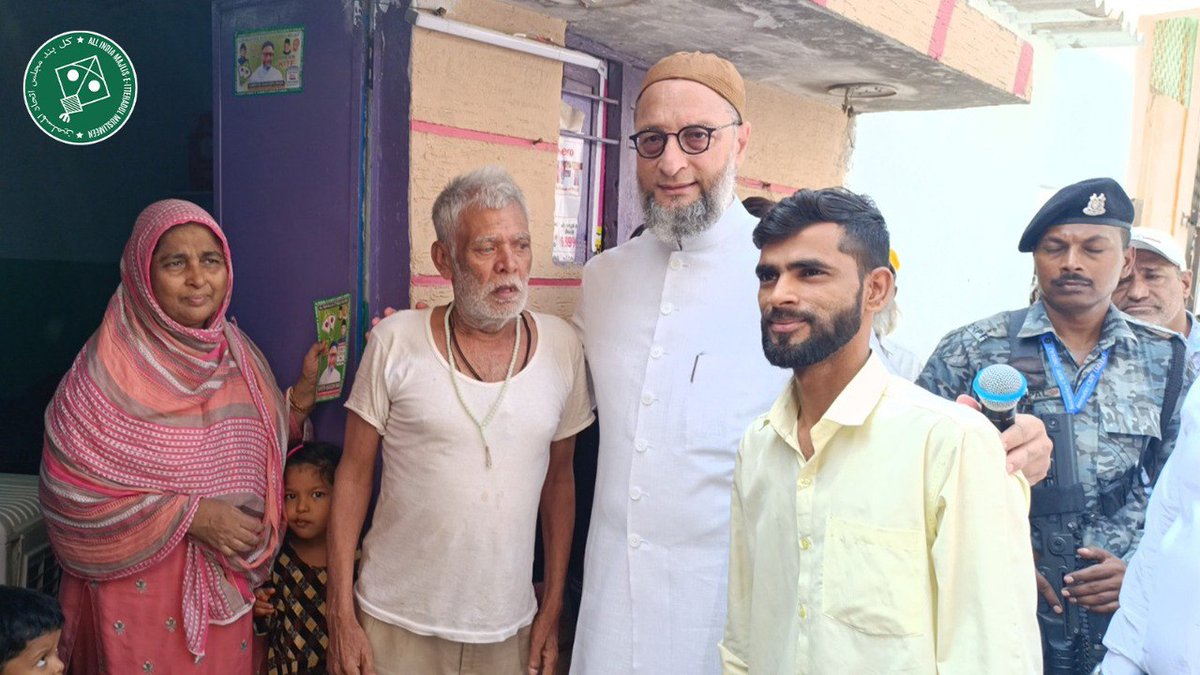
point(1157, 241)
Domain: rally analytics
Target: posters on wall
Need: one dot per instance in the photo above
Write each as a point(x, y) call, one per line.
point(568, 189)
point(269, 61)
point(333, 328)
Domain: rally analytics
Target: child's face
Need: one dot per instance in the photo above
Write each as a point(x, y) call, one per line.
point(306, 496)
point(40, 657)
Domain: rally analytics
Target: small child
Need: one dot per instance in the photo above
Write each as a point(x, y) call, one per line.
point(30, 625)
point(290, 607)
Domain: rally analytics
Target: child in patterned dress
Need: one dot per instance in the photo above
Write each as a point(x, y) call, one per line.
point(290, 608)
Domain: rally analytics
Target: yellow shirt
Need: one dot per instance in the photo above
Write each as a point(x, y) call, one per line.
point(902, 546)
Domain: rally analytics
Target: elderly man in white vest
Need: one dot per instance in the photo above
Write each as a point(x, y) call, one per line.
point(476, 405)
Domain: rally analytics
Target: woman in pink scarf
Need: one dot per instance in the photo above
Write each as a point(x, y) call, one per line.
point(162, 468)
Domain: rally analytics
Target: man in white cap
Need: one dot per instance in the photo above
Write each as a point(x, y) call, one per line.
point(670, 330)
point(1157, 290)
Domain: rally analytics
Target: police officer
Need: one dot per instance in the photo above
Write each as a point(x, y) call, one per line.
point(1084, 357)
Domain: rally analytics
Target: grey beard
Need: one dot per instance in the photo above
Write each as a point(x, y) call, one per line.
point(673, 225)
point(470, 297)
point(475, 311)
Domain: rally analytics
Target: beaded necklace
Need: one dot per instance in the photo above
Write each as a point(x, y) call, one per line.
point(481, 425)
point(467, 362)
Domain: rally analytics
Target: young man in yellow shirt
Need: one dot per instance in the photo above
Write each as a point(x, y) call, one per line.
point(874, 527)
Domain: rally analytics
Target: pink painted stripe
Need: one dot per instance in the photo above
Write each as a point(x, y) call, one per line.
point(764, 185)
point(484, 136)
point(941, 29)
point(1024, 70)
point(820, 3)
point(427, 280)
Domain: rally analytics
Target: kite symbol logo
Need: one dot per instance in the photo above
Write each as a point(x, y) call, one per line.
point(80, 87)
point(84, 80)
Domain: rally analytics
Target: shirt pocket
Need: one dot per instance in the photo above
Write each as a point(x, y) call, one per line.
point(875, 579)
point(1127, 432)
point(1131, 419)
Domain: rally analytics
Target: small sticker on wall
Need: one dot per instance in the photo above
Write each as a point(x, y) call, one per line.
point(568, 189)
point(564, 241)
point(269, 61)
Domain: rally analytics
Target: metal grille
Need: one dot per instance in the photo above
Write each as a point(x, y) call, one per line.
point(1174, 53)
point(41, 570)
point(27, 557)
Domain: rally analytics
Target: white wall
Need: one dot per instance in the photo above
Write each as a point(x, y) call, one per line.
point(958, 187)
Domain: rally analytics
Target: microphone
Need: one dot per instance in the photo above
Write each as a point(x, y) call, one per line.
point(999, 388)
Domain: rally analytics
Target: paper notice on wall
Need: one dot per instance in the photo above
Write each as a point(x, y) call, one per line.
point(567, 192)
point(568, 189)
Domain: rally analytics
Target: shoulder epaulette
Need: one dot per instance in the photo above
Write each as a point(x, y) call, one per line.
point(994, 326)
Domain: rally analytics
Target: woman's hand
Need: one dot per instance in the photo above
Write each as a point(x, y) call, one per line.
point(224, 527)
point(304, 392)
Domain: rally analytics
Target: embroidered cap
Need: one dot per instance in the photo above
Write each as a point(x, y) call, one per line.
point(1096, 201)
point(709, 70)
point(1157, 241)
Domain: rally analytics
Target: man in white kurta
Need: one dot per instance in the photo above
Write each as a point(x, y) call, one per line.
point(678, 371)
point(266, 74)
point(1157, 628)
point(671, 335)
point(670, 326)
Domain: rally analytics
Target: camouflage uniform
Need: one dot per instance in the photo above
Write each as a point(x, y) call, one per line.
point(1111, 430)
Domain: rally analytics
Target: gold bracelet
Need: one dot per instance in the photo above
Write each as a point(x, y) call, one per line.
point(303, 412)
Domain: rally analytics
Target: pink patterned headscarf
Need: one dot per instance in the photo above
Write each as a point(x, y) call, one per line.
point(153, 416)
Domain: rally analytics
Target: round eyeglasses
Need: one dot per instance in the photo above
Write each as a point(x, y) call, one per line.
point(693, 140)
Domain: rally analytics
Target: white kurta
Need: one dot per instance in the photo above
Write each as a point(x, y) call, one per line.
point(1157, 628)
point(898, 359)
point(674, 348)
point(265, 75)
point(1193, 342)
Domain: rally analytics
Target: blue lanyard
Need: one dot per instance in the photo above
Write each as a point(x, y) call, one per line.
point(1073, 400)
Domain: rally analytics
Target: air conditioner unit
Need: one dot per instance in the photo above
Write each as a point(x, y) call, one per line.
point(28, 560)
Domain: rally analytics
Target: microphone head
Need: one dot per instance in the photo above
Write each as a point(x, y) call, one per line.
point(999, 386)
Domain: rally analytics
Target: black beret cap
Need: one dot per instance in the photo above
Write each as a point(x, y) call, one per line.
point(1096, 201)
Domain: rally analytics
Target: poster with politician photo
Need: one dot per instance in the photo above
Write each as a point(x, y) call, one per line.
point(333, 328)
point(269, 61)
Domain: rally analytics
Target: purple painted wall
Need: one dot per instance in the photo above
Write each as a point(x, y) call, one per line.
point(388, 269)
point(288, 182)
